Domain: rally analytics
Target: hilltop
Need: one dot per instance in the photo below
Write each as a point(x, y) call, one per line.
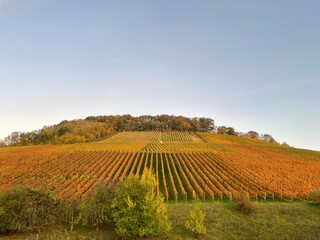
point(96, 128)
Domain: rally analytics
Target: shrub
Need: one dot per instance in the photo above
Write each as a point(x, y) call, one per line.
point(195, 221)
point(23, 209)
point(315, 195)
point(244, 204)
point(138, 210)
point(96, 209)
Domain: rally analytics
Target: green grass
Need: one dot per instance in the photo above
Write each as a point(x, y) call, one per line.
point(272, 220)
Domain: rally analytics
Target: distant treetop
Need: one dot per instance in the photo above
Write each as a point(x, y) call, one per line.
point(94, 128)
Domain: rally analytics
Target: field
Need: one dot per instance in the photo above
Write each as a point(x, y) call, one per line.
point(273, 220)
point(185, 165)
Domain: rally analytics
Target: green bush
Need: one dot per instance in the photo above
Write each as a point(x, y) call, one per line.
point(96, 209)
point(195, 221)
point(244, 204)
point(138, 210)
point(22, 209)
point(315, 195)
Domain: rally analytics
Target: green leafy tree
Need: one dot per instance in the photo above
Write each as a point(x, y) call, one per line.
point(12, 205)
point(268, 138)
point(206, 124)
point(138, 210)
point(195, 221)
point(231, 131)
point(69, 211)
point(40, 209)
point(96, 209)
point(22, 208)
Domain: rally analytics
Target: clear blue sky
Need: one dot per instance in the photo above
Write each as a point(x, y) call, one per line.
point(252, 65)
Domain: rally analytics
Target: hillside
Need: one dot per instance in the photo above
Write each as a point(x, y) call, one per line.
point(95, 128)
point(186, 164)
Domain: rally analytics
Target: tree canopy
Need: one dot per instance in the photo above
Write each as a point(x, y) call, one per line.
point(138, 209)
point(98, 127)
point(94, 128)
point(22, 208)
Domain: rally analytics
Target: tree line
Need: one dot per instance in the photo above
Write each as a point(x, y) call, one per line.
point(251, 134)
point(133, 207)
point(94, 128)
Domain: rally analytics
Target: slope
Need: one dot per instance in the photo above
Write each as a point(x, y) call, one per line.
point(186, 164)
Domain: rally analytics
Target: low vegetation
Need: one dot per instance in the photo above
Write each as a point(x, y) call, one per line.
point(244, 204)
point(134, 206)
point(315, 196)
point(195, 221)
point(272, 220)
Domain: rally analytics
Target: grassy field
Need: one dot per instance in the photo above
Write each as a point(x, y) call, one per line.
point(273, 220)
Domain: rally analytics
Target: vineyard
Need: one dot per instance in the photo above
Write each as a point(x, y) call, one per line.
point(185, 164)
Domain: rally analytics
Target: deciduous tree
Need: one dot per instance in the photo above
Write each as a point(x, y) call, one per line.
point(138, 210)
point(96, 209)
point(22, 208)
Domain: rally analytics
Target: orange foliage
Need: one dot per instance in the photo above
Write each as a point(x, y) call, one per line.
point(230, 166)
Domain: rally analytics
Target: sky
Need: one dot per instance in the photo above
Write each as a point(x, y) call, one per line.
point(251, 65)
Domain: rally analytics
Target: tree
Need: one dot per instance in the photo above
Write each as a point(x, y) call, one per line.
point(253, 134)
point(221, 130)
point(96, 209)
point(12, 139)
point(22, 208)
point(206, 124)
point(268, 138)
point(41, 137)
point(195, 221)
point(40, 208)
point(226, 130)
point(25, 139)
point(69, 211)
point(138, 210)
point(63, 130)
point(230, 131)
point(99, 127)
point(12, 205)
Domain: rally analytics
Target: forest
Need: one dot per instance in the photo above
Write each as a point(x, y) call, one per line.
point(97, 128)
point(94, 128)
